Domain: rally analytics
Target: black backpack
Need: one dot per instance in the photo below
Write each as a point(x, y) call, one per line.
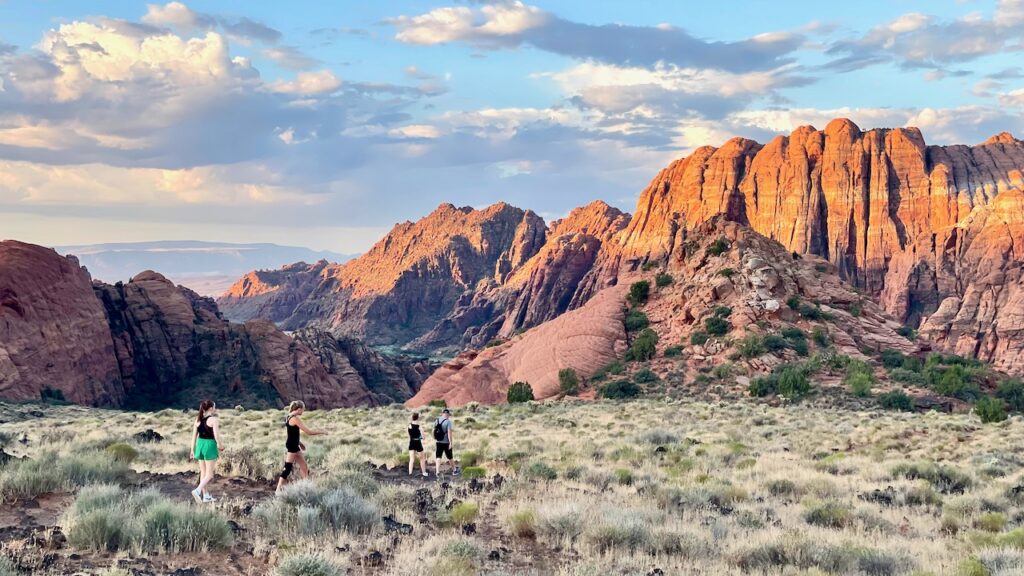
point(440, 434)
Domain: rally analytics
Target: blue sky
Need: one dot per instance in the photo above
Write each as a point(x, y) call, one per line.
point(322, 124)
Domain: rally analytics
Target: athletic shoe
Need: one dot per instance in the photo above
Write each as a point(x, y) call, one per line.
point(208, 498)
point(197, 496)
point(425, 475)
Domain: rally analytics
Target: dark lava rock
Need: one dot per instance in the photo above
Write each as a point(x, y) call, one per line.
point(423, 501)
point(191, 571)
point(660, 450)
point(494, 555)
point(475, 485)
point(656, 572)
point(455, 502)
point(392, 525)
point(374, 558)
point(885, 497)
point(5, 457)
point(469, 529)
point(148, 435)
point(497, 481)
point(235, 527)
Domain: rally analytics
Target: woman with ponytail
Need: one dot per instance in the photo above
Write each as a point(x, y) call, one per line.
point(294, 448)
point(205, 448)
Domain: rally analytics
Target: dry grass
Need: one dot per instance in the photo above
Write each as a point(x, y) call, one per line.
point(622, 488)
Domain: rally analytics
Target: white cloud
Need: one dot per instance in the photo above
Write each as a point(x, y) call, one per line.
point(308, 83)
point(490, 24)
point(416, 131)
point(1012, 99)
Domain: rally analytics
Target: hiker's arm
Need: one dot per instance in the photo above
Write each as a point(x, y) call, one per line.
point(195, 436)
point(306, 429)
point(451, 436)
point(216, 432)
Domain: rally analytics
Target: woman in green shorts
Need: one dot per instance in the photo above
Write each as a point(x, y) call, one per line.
point(205, 441)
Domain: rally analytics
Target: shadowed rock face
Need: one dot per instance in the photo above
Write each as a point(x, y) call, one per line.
point(908, 223)
point(150, 343)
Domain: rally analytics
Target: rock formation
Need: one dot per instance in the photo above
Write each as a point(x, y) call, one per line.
point(149, 343)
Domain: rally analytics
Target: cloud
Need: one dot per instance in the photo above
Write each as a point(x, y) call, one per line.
point(511, 24)
point(178, 16)
point(309, 83)
point(1014, 99)
point(290, 57)
point(916, 40)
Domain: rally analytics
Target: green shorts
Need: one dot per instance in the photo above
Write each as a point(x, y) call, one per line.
point(206, 449)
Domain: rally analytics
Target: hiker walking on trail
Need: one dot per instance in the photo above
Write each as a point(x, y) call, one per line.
point(205, 444)
point(294, 449)
point(444, 439)
point(416, 445)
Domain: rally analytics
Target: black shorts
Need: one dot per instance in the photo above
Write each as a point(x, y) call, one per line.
point(294, 448)
point(443, 450)
point(415, 445)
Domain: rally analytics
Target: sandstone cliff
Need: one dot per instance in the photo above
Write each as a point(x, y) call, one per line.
point(150, 343)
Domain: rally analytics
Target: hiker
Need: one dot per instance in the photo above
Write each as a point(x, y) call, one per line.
point(416, 445)
point(293, 426)
point(205, 443)
point(443, 438)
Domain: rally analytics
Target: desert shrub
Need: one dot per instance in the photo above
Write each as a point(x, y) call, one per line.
point(896, 400)
point(775, 343)
point(727, 272)
point(717, 326)
point(523, 523)
point(821, 267)
point(828, 514)
point(907, 377)
point(621, 389)
point(122, 452)
point(945, 479)
point(28, 478)
point(568, 381)
point(105, 519)
point(308, 565)
point(645, 375)
point(860, 384)
point(474, 472)
point(722, 371)
point(799, 346)
point(644, 346)
point(855, 309)
point(751, 346)
point(722, 311)
point(990, 410)
point(891, 358)
point(540, 471)
point(793, 302)
point(821, 337)
point(438, 403)
point(1011, 391)
point(639, 292)
point(991, 522)
point(624, 476)
point(764, 386)
point(793, 383)
point(673, 351)
point(663, 279)
point(907, 332)
point(519, 392)
point(810, 312)
point(52, 396)
point(636, 320)
point(561, 521)
point(622, 531)
point(464, 513)
point(954, 381)
point(718, 247)
point(793, 333)
point(781, 487)
point(345, 510)
point(7, 568)
point(699, 338)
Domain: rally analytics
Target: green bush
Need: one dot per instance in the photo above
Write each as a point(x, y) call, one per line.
point(829, 514)
point(7, 568)
point(1011, 391)
point(122, 452)
point(308, 565)
point(718, 247)
point(722, 311)
point(892, 358)
point(811, 312)
point(28, 478)
point(764, 386)
point(799, 346)
point(699, 338)
point(821, 337)
point(540, 471)
point(673, 351)
point(663, 279)
point(717, 326)
point(907, 332)
point(474, 472)
point(523, 523)
point(793, 333)
point(639, 292)
point(751, 346)
point(793, 302)
point(793, 383)
point(860, 384)
point(775, 343)
point(519, 392)
point(636, 320)
point(464, 513)
point(645, 375)
point(954, 381)
point(945, 479)
point(470, 458)
point(622, 389)
point(990, 410)
point(907, 377)
point(568, 381)
point(644, 346)
point(856, 309)
point(439, 403)
point(896, 400)
point(52, 395)
point(727, 272)
point(649, 265)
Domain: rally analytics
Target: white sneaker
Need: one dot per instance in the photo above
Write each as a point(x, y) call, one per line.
point(197, 496)
point(425, 475)
point(208, 498)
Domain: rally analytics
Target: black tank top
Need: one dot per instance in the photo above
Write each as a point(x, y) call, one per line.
point(293, 433)
point(205, 432)
point(414, 432)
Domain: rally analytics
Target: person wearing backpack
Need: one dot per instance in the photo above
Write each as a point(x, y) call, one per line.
point(443, 441)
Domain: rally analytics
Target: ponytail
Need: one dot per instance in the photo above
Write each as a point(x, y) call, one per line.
point(204, 407)
point(296, 405)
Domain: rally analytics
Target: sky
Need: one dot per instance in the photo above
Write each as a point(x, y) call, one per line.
point(324, 124)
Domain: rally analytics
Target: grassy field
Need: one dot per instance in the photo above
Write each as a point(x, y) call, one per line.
point(642, 487)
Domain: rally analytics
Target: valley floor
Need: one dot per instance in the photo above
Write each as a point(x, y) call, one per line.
point(575, 488)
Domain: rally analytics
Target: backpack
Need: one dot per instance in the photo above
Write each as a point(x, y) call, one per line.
point(440, 434)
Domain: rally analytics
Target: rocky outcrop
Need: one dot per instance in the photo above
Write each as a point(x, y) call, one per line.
point(53, 331)
point(271, 294)
point(149, 343)
point(585, 339)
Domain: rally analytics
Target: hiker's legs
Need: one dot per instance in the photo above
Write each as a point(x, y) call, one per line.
point(412, 461)
point(300, 460)
point(288, 470)
point(423, 463)
point(210, 466)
